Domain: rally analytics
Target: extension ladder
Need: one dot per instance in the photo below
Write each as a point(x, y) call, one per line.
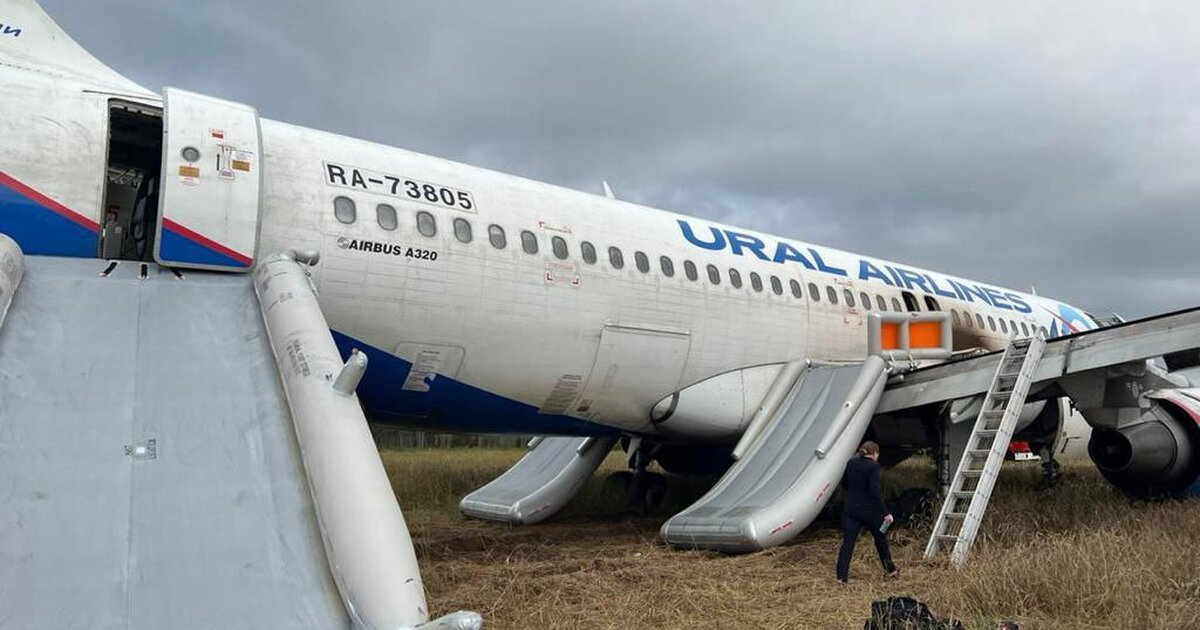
point(971, 489)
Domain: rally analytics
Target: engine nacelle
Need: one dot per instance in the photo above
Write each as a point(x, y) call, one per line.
point(1160, 454)
point(1074, 433)
point(1058, 427)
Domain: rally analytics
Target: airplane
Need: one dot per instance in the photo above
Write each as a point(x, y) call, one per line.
point(489, 303)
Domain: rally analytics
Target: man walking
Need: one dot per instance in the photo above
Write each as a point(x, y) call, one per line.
point(864, 508)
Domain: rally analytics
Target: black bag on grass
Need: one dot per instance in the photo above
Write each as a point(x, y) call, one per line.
point(905, 613)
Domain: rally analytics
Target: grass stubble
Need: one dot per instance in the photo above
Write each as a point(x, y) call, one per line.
point(1078, 556)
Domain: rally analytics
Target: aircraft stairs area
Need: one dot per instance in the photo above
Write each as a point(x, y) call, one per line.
point(160, 471)
point(788, 463)
point(971, 488)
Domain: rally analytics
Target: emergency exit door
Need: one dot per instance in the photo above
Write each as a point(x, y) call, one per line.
point(209, 207)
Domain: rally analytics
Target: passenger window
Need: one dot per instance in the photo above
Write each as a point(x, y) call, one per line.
point(992, 323)
point(970, 322)
point(386, 215)
point(1003, 326)
point(954, 314)
point(797, 292)
point(814, 293)
point(462, 230)
point(776, 285)
point(642, 262)
point(714, 276)
point(849, 297)
point(496, 236)
point(689, 269)
point(616, 258)
point(910, 301)
point(831, 294)
point(735, 278)
point(559, 246)
point(529, 242)
point(1012, 324)
point(1024, 329)
point(426, 225)
point(979, 320)
point(344, 210)
point(1045, 333)
point(668, 267)
point(932, 304)
point(865, 300)
point(589, 252)
point(896, 306)
point(755, 281)
point(880, 302)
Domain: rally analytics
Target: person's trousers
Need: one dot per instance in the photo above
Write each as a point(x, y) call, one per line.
point(851, 525)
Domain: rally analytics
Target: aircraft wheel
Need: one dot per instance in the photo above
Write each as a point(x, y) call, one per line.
point(655, 492)
point(617, 482)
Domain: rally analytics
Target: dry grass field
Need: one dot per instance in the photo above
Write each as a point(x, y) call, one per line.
point(1080, 556)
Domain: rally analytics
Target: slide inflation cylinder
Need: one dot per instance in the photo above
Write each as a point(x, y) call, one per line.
point(12, 267)
point(366, 539)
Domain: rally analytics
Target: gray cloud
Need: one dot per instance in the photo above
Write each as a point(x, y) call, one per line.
point(1041, 145)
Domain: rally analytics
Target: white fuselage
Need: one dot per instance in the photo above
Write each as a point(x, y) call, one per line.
point(488, 338)
point(524, 321)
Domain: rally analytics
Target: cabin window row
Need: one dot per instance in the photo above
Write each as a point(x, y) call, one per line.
point(345, 211)
point(848, 297)
point(996, 324)
point(615, 257)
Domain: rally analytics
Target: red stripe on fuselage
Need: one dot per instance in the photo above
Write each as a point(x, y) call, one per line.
point(206, 242)
point(1059, 318)
point(48, 203)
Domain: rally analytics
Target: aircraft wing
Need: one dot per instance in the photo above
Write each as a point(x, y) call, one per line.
point(1074, 362)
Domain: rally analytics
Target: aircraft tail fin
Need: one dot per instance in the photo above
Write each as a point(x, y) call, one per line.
point(30, 39)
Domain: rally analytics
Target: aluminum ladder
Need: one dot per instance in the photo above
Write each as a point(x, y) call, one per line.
point(971, 489)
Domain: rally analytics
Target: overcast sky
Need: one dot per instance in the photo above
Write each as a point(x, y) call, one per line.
point(1055, 146)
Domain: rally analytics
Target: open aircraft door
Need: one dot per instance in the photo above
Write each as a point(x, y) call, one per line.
point(210, 202)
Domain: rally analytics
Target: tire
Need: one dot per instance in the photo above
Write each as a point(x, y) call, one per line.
point(656, 491)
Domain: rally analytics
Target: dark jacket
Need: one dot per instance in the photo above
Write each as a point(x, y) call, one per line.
point(864, 495)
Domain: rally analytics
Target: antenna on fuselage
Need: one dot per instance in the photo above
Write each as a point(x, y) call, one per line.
point(608, 190)
point(1033, 289)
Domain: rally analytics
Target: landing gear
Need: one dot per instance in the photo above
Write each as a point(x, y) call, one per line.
point(646, 498)
point(646, 489)
point(646, 495)
point(617, 482)
point(655, 492)
point(1050, 469)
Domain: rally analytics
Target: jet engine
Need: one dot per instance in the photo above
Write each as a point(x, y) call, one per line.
point(1158, 455)
point(1058, 427)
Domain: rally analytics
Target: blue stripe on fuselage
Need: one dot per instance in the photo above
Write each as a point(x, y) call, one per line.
point(449, 405)
point(41, 231)
point(178, 248)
